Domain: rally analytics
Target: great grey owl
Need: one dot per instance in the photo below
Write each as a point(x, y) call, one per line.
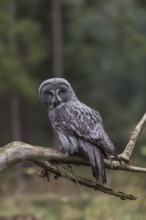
point(79, 128)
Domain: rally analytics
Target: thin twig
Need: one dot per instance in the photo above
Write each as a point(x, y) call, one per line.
point(126, 155)
point(83, 181)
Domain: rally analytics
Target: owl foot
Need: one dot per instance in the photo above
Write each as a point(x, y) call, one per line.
point(124, 158)
point(121, 158)
point(117, 158)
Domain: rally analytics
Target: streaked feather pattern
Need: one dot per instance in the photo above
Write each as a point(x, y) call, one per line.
point(79, 128)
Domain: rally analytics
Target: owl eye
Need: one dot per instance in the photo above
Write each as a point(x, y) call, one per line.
point(49, 93)
point(61, 91)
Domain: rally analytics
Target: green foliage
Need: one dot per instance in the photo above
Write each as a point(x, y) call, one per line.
point(107, 44)
point(22, 49)
point(143, 150)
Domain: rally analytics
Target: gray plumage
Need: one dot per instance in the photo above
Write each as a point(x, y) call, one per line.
point(79, 128)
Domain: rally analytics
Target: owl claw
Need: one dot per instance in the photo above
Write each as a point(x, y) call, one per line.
point(124, 159)
point(59, 148)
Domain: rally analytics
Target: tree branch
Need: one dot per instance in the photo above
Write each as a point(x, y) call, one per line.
point(15, 152)
point(126, 155)
point(82, 181)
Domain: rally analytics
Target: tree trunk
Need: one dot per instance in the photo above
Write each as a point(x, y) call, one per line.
point(15, 103)
point(15, 118)
point(57, 48)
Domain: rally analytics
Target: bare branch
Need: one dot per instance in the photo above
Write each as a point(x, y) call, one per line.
point(83, 181)
point(45, 157)
point(16, 152)
point(126, 155)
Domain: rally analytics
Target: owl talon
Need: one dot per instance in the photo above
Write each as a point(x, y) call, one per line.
point(59, 148)
point(124, 159)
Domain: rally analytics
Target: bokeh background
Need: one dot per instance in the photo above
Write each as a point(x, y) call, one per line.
point(99, 46)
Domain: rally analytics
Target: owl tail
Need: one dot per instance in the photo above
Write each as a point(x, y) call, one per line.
point(95, 156)
point(97, 164)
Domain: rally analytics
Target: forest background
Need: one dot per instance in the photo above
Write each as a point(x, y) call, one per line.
point(100, 48)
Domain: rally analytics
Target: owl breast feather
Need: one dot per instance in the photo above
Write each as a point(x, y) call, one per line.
point(72, 122)
point(63, 123)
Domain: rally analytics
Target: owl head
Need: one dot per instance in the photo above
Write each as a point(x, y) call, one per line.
point(55, 92)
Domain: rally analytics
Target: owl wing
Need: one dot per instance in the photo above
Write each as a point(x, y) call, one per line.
point(80, 129)
point(87, 124)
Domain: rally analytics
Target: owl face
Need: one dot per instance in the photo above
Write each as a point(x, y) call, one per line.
point(54, 92)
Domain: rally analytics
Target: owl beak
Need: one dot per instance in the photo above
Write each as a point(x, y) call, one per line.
point(56, 102)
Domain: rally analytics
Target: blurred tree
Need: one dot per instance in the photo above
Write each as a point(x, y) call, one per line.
point(21, 46)
point(57, 49)
point(15, 102)
point(106, 47)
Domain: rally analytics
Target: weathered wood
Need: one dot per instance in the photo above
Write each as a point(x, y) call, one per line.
point(16, 152)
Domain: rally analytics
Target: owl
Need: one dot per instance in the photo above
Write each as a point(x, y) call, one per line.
point(79, 128)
